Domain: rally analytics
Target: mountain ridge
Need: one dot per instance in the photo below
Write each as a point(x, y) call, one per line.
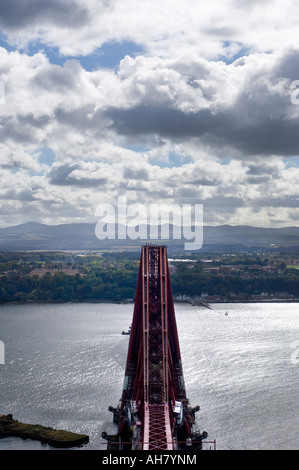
point(81, 236)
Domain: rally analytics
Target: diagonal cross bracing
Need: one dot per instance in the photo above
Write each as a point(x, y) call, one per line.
point(157, 428)
point(154, 376)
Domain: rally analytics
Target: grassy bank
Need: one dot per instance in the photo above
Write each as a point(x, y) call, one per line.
point(56, 438)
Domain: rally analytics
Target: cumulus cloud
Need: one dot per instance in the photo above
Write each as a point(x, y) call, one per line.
point(245, 105)
point(203, 114)
point(16, 15)
point(208, 29)
point(85, 174)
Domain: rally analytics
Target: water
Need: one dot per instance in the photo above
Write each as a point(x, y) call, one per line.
point(64, 365)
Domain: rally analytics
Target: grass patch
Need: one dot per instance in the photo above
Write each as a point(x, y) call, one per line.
point(53, 437)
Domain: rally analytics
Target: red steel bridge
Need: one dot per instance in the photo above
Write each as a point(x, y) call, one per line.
point(154, 412)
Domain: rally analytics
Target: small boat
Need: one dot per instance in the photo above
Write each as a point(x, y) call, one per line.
point(126, 332)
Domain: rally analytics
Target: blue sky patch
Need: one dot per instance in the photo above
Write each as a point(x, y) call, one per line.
point(174, 160)
point(243, 51)
point(47, 156)
point(291, 162)
point(108, 55)
point(113, 52)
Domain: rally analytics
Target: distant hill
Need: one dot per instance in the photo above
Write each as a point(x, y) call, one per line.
point(81, 236)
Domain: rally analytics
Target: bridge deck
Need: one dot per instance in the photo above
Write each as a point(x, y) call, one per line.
point(154, 387)
point(157, 428)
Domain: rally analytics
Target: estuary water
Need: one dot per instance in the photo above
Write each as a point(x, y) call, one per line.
point(64, 365)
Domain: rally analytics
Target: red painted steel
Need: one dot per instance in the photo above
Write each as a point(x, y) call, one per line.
point(154, 393)
point(157, 428)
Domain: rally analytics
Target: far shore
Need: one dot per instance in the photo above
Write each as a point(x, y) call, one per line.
point(122, 302)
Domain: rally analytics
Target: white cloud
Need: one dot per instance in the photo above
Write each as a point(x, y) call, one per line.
point(168, 28)
point(160, 126)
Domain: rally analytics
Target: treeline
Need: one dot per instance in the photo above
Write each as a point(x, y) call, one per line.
point(61, 287)
point(195, 281)
point(117, 283)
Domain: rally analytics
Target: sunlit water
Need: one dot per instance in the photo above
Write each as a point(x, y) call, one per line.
point(64, 365)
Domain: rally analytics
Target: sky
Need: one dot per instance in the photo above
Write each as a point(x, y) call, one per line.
point(169, 102)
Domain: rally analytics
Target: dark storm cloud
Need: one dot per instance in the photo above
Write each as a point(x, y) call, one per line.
point(83, 118)
point(261, 173)
point(258, 179)
point(12, 130)
point(36, 122)
point(258, 119)
point(258, 123)
point(18, 14)
point(21, 195)
point(265, 137)
point(62, 176)
point(164, 121)
point(76, 118)
point(224, 202)
point(288, 66)
point(204, 182)
point(258, 169)
point(135, 173)
point(54, 78)
point(284, 201)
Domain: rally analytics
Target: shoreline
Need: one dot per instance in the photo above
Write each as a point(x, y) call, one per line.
point(124, 302)
point(58, 438)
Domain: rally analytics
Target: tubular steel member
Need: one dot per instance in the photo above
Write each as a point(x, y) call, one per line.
point(154, 412)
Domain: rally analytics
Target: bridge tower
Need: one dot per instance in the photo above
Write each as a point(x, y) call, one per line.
point(154, 412)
